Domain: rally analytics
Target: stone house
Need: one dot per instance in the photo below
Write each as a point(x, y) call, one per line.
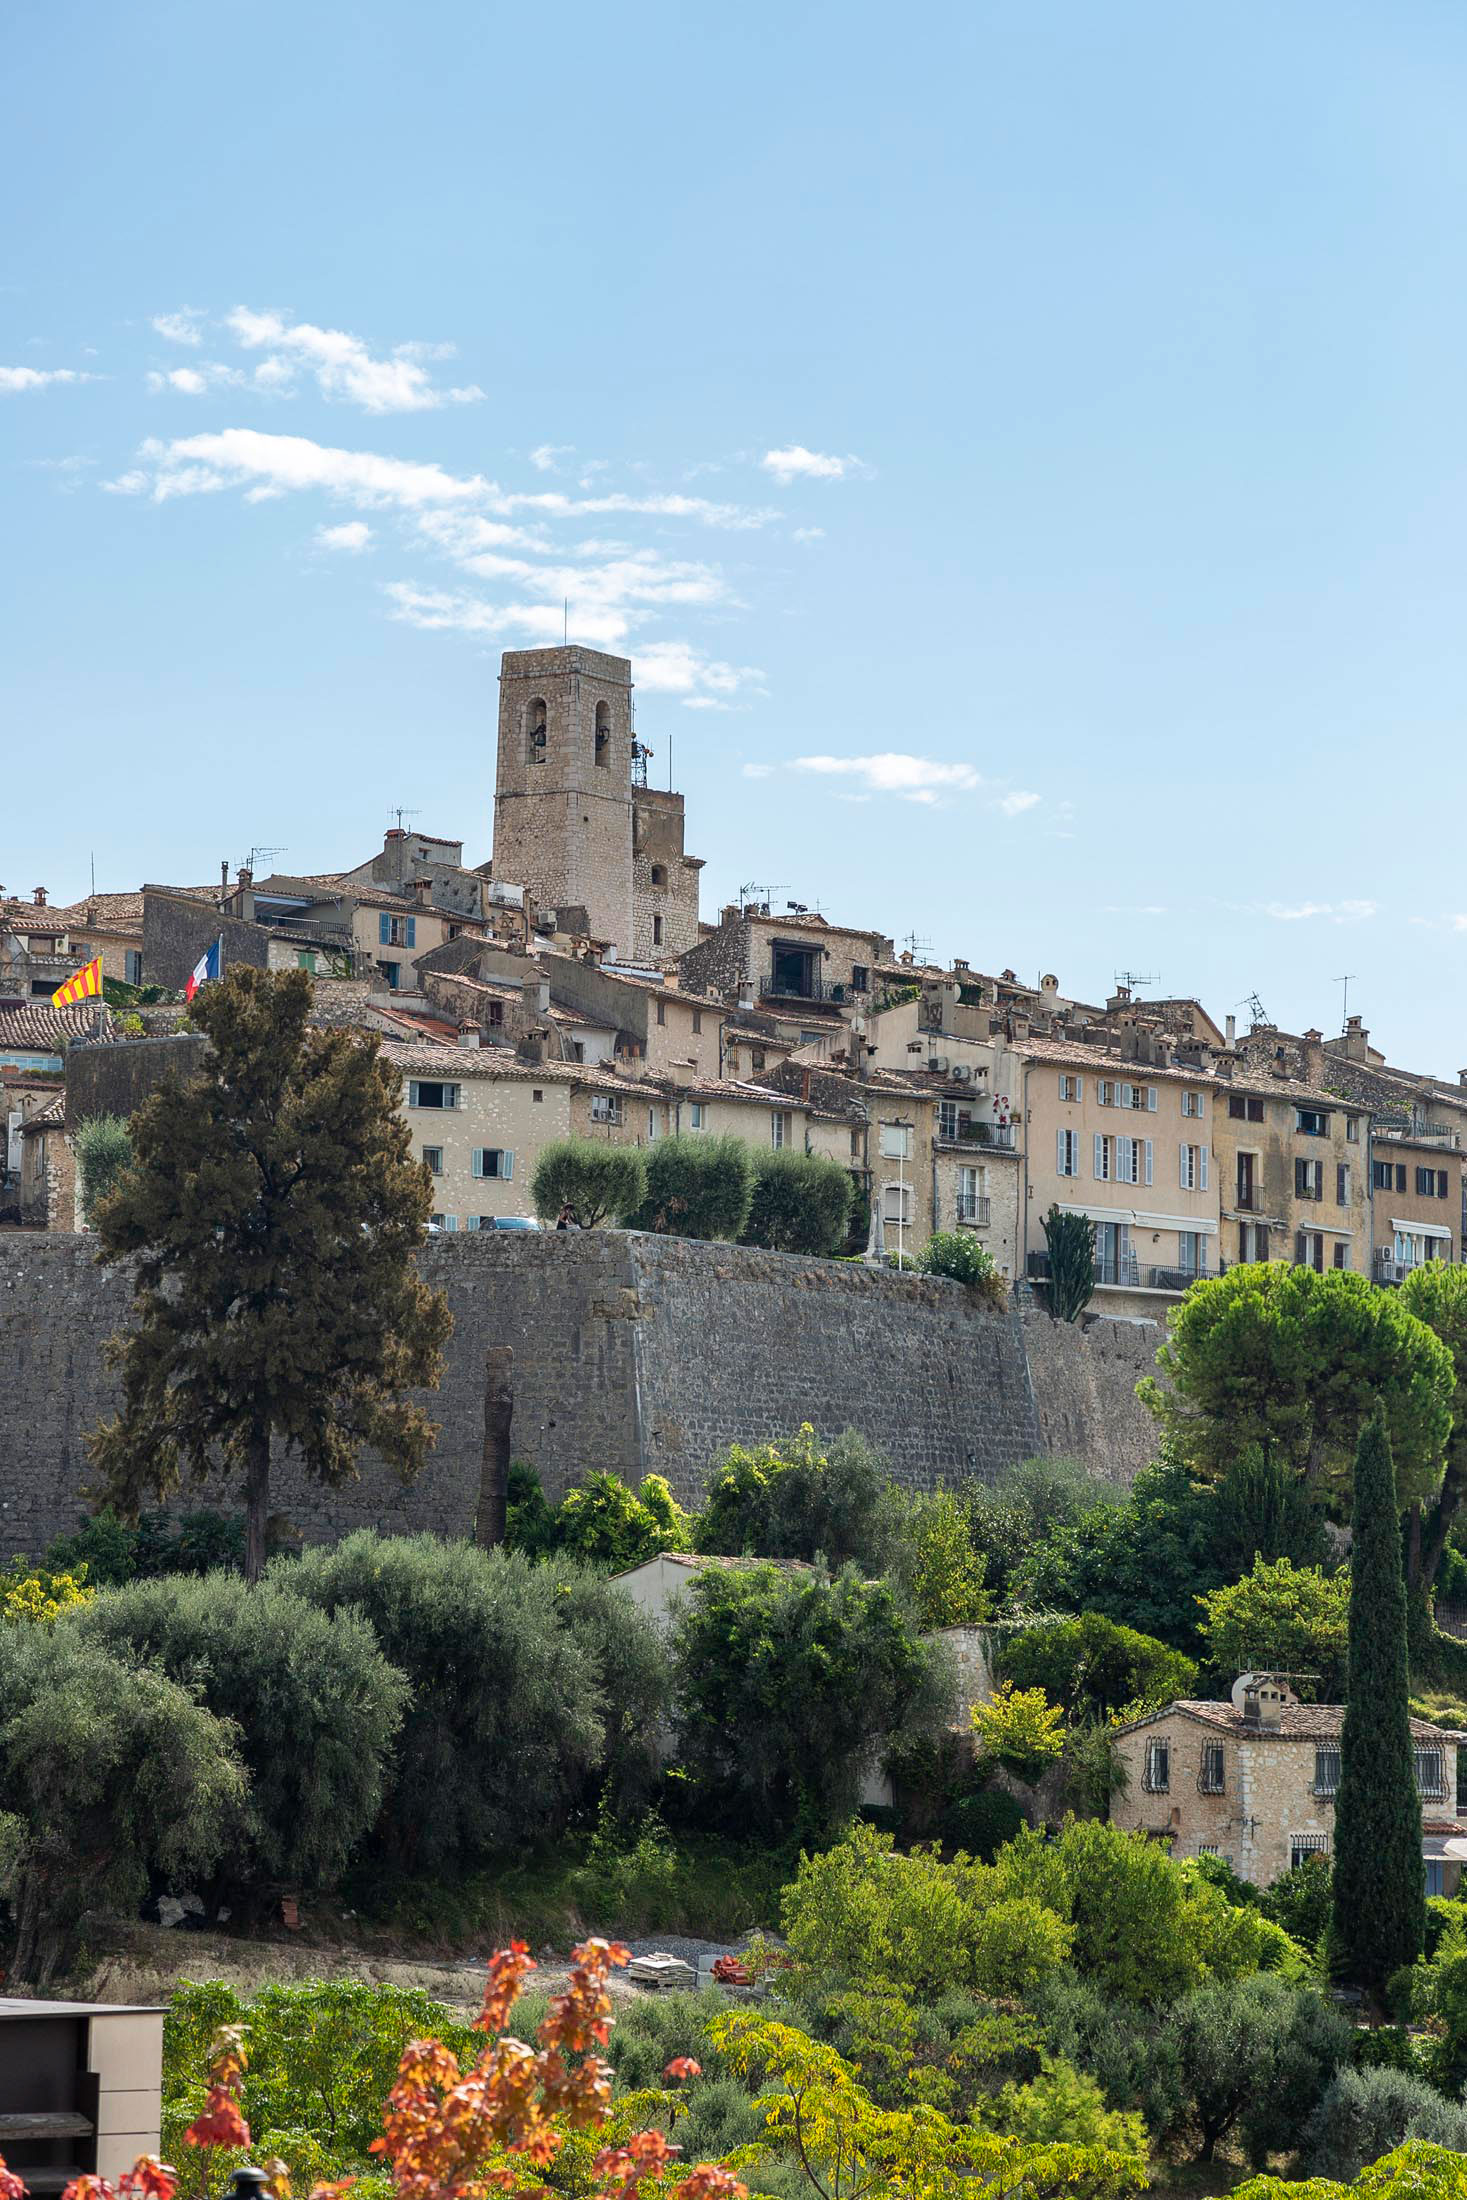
point(109, 926)
point(1417, 1195)
point(1292, 1164)
point(47, 1168)
point(1254, 1780)
point(334, 922)
point(798, 968)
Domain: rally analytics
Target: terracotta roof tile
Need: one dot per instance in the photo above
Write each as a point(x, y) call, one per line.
point(36, 1025)
point(1298, 1722)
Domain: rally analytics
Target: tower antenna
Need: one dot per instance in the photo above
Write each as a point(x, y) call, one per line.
point(400, 811)
point(1345, 996)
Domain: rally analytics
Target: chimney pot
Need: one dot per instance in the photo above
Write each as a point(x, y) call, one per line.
point(38, 896)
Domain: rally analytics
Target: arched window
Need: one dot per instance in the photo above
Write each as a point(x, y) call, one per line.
point(659, 874)
point(535, 731)
point(603, 735)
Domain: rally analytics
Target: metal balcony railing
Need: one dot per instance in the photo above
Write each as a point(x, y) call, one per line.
point(1175, 1279)
point(1000, 1135)
point(774, 988)
point(975, 1210)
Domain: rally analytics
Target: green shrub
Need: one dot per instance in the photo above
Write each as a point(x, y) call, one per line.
point(1091, 1666)
point(633, 1678)
point(504, 1722)
point(958, 1254)
point(112, 1772)
point(795, 1500)
point(937, 1564)
point(1255, 2057)
point(598, 1180)
point(786, 1682)
point(113, 1552)
point(605, 1523)
point(103, 1148)
point(697, 1187)
point(1365, 2113)
point(801, 1203)
point(530, 1518)
point(981, 1821)
point(1063, 2106)
point(316, 1703)
point(1300, 1900)
point(1293, 1617)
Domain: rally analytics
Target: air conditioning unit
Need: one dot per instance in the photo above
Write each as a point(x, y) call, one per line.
point(961, 1073)
point(939, 1062)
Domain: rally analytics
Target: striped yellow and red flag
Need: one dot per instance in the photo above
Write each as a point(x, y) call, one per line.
point(82, 985)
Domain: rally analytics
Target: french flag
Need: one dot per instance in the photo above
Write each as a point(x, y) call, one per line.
point(205, 968)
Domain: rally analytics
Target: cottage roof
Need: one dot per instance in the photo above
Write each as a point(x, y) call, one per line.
point(51, 1117)
point(36, 1026)
point(1298, 1722)
point(695, 1561)
point(454, 1066)
point(103, 913)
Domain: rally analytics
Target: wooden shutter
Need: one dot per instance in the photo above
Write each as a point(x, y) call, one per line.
point(412, 931)
point(1148, 1160)
point(1151, 1098)
point(384, 930)
point(1202, 1154)
point(506, 1161)
point(1099, 1156)
point(412, 1092)
point(478, 1161)
point(1060, 1155)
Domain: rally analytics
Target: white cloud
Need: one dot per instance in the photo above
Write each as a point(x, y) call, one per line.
point(343, 366)
point(245, 458)
point(1014, 805)
point(1338, 912)
point(353, 535)
point(912, 778)
point(809, 534)
point(14, 379)
point(758, 771)
point(544, 457)
point(678, 668)
point(795, 463)
point(665, 668)
point(181, 327)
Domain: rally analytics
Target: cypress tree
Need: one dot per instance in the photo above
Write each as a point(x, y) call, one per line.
point(1379, 1881)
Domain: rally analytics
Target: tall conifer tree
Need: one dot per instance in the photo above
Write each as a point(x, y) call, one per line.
point(1379, 1881)
point(272, 1210)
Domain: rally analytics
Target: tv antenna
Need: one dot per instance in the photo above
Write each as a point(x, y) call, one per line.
point(753, 892)
point(1345, 996)
point(1259, 1013)
point(257, 852)
point(400, 811)
point(1130, 979)
point(916, 943)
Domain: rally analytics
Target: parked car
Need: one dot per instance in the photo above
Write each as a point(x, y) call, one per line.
point(510, 1222)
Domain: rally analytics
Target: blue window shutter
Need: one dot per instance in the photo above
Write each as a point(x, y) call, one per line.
point(1099, 1155)
point(473, 1222)
point(1148, 1160)
point(1203, 1151)
point(412, 1092)
point(478, 1161)
point(412, 931)
point(1060, 1154)
point(506, 1162)
point(384, 930)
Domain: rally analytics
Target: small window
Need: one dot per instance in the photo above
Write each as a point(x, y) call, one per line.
point(422, 1094)
point(1309, 1250)
point(1308, 1180)
point(537, 1094)
point(1068, 1159)
point(605, 1107)
point(1105, 1092)
point(651, 1125)
point(1352, 1130)
point(1191, 1103)
point(1342, 1183)
point(896, 1141)
point(896, 1204)
point(535, 731)
point(1327, 1770)
point(132, 963)
point(1342, 1253)
point(1431, 1774)
point(657, 931)
point(662, 1012)
point(1311, 1122)
point(697, 1021)
point(1070, 1087)
point(695, 1115)
point(756, 1057)
point(1243, 1108)
point(1436, 1874)
point(860, 978)
point(1382, 1175)
point(445, 1223)
point(1302, 1845)
point(1214, 1766)
point(433, 1160)
point(493, 1161)
point(855, 1145)
point(659, 874)
point(779, 1127)
point(1157, 1778)
point(305, 959)
point(603, 736)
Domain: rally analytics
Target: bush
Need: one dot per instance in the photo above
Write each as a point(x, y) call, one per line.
point(1300, 1900)
point(786, 1682)
point(34, 1596)
point(114, 1773)
point(598, 1180)
point(114, 1552)
point(793, 1500)
point(505, 1712)
point(1255, 2055)
point(530, 1519)
point(1063, 2106)
point(1093, 1666)
point(697, 1187)
point(1365, 2113)
point(607, 1524)
point(982, 1821)
point(1020, 1728)
point(801, 1203)
point(633, 1678)
point(956, 1253)
point(316, 1704)
point(1030, 1502)
point(937, 1564)
point(103, 1148)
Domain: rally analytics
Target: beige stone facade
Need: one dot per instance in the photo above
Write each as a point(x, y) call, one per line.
point(1416, 1200)
point(1293, 1166)
point(1254, 1780)
point(48, 1186)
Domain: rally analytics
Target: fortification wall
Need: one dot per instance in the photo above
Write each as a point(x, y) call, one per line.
point(633, 1353)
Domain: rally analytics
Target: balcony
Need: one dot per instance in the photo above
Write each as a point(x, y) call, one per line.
point(1175, 1279)
point(1000, 1135)
point(1123, 1273)
point(976, 1211)
point(810, 990)
point(1249, 1199)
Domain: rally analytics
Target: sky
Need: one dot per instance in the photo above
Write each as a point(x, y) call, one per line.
point(1020, 449)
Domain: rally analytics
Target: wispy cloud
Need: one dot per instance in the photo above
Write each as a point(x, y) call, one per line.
point(546, 457)
point(15, 379)
point(1298, 912)
point(271, 465)
point(795, 463)
point(352, 535)
point(809, 534)
point(758, 771)
point(1014, 805)
point(344, 367)
point(182, 327)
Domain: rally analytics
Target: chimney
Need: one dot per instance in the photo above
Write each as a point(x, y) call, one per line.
point(1230, 1030)
point(224, 882)
point(423, 889)
point(535, 993)
point(38, 896)
point(1313, 1055)
point(1357, 1040)
point(729, 913)
point(746, 998)
point(245, 894)
point(468, 1035)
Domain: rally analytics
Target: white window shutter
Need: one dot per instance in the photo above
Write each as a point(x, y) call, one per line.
point(506, 1162)
point(478, 1161)
point(1099, 1156)
point(1079, 1088)
point(412, 1092)
point(1202, 1153)
point(1182, 1152)
point(1059, 1147)
point(1151, 1098)
point(1148, 1160)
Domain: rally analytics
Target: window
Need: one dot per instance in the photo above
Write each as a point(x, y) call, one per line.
point(1192, 1252)
point(1400, 1176)
point(657, 931)
point(605, 1107)
point(1352, 1130)
point(1308, 1179)
point(662, 1012)
point(493, 1161)
point(860, 978)
point(1115, 1262)
point(447, 1223)
point(603, 740)
point(1382, 1175)
point(1071, 1088)
point(1133, 1160)
point(1309, 1250)
point(695, 1115)
point(896, 1204)
point(1435, 1875)
point(1102, 1158)
point(1105, 1092)
point(305, 959)
point(651, 1125)
point(132, 966)
point(433, 1160)
point(537, 1094)
point(1252, 1241)
point(1431, 1773)
point(949, 1119)
point(396, 931)
point(780, 1127)
point(1192, 1168)
point(422, 1094)
point(1306, 1844)
point(392, 974)
point(1243, 1108)
point(1327, 1769)
point(1312, 1122)
point(896, 1141)
point(1210, 1780)
point(697, 1021)
point(535, 731)
point(756, 1057)
point(1068, 1157)
point(1157, 1778)
point(1431, 1183)
point(970, 1195)
point(1342, 1252)
point(1192, 1103)
point(1342, 1183)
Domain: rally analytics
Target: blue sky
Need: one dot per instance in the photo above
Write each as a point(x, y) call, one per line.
point(1020, 449)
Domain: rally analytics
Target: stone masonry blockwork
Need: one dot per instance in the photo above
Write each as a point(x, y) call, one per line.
point(634, 1353)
